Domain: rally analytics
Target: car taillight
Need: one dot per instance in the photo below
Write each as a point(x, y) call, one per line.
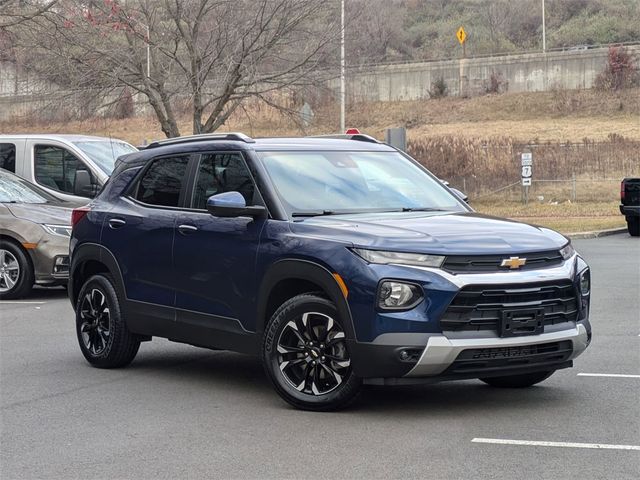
point(352, 131)
point(622, 191)
point(78, 214)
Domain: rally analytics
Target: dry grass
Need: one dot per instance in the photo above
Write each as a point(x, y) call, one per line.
point(557, 116)
point(565, 217)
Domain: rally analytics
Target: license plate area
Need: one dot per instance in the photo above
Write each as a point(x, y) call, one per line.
point(516, 323)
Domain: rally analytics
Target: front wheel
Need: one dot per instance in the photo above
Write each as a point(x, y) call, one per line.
point(306, 357)
point(633, 225)
point(518, 381)
point(16, 272)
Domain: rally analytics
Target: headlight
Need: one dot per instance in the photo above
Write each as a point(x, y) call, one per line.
point(567, 251)
point(62, 230)
point(394, 295)
point(585, 282)
point(382, 257)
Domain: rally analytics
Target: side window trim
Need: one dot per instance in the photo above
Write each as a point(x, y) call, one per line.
point(132, 192)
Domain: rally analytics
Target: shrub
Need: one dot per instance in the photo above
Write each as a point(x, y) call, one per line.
point(439, 89)
point(496, 83)
point(620, 71)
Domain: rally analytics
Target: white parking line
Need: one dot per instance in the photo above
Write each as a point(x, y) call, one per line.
point(8, 302)
point(614, 375)
point(500, 441)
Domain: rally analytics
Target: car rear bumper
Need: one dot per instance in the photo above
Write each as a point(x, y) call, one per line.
point(630, 210)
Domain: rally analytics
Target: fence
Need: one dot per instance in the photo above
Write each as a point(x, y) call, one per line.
point(586, 171)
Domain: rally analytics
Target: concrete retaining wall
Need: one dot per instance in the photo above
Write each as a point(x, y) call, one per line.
point(520, 73)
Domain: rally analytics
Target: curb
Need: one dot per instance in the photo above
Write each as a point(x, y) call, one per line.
point(597, 233)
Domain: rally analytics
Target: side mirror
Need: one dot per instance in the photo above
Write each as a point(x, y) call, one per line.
point(232, 204)
point(460, 194)
point(83, 185)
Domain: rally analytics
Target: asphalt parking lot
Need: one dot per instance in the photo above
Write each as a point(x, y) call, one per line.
point(183, 412)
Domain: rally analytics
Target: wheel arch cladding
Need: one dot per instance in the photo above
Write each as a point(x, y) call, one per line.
point(290, 277)
point(91, 259)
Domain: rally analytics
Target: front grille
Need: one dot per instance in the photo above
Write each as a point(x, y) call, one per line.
point(491, 263)
point(481, 307)
point(479, 359)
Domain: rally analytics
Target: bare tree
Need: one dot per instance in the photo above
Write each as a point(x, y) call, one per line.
point(495, 15)
point(15, 12)
point(210, 55)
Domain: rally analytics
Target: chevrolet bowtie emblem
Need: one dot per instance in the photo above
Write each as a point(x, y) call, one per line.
point(513, 263)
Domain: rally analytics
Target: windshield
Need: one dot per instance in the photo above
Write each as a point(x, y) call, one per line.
point(16, 190)
point(105, 152)
point(353, 182)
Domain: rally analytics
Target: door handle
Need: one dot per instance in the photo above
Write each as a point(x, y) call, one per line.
point(187, 229)
point(116, 223)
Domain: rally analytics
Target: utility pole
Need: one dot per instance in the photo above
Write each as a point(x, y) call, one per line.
point(342, 81)
point(148, 53)
point(544, 32)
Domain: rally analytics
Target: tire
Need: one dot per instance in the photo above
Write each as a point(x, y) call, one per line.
point(105, 340)
point(307, 370)
point(518, 381)
point(633, 225)
point(16, 271)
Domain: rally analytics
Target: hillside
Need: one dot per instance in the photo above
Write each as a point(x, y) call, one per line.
point(546, 116)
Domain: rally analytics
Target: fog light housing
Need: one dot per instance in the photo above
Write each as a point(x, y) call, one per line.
point(585, 282)
point(393, 295)
point(61, 264)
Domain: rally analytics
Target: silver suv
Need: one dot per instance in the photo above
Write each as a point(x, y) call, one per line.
point(72, 167)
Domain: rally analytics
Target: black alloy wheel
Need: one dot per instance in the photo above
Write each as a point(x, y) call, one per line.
point(312, 353)
point(95, 327)
point(103, 336)
point(306, 354)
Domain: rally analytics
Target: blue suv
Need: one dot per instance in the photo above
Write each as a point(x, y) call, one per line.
point(339, 261)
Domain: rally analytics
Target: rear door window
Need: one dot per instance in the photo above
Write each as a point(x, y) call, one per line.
point(56, 167)
point(8, 157)
point(163, 182)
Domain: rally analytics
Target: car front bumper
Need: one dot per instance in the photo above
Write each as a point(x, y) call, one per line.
point(418, 357)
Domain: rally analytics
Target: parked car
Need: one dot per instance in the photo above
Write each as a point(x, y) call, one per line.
point(35, 227)
point(338, 261)
point(71, 167)
point(630, 204)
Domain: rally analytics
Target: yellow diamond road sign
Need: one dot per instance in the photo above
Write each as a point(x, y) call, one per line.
point(462, 35)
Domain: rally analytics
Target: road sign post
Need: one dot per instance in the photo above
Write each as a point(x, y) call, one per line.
point(526, 173)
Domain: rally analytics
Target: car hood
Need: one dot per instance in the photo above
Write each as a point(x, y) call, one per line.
point(41, 213)
point(433, 232)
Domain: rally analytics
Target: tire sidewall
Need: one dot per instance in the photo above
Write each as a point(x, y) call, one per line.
point(291, 309)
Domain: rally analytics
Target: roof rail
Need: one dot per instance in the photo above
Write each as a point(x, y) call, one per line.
point(360, 137)
point(237, 136)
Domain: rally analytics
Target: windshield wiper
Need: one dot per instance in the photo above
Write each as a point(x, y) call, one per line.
point(313, 213)
point(422, 209)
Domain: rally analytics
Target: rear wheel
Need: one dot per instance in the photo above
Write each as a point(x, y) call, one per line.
point(518, 381)
point(16, 272)
point(105, 340)
point(306, 357)
point(633, 225)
